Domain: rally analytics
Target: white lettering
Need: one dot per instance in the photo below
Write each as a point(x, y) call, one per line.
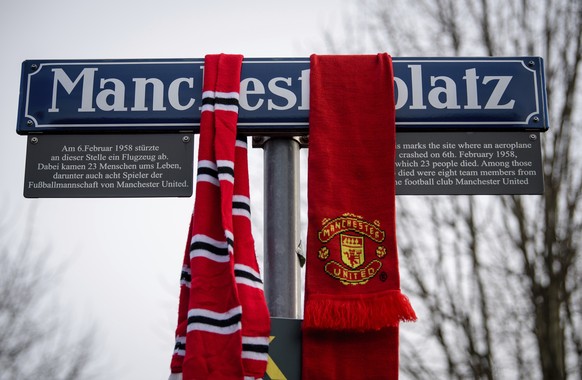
point(117, 93)
point(284, 93)
point(416, 77)
point(257, 89)
point(149, 94)
point(450, 92)
point(402, 89)
point(140, 94)
point(87, 75)
point(471, 81)
point(304, 79)
point(174, 94)
point(498, 91)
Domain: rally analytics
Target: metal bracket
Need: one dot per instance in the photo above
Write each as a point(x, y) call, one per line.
point(259, 141)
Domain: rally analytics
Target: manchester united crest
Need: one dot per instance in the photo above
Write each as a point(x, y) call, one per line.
point(354, 263)
point(352, 248)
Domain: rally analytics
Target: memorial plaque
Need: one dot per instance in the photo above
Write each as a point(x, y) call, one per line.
point(99, 166)
point(442, 163)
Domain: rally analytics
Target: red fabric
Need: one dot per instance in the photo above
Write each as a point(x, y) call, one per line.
point(211, 340)
point(353, 303)
point(256, 321)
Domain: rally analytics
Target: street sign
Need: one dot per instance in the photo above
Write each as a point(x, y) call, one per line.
point(82, 96)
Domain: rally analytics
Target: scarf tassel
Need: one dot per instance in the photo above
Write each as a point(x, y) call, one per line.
point(359, 312)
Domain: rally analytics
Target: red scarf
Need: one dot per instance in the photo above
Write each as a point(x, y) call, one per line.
point(223, 320)
point(353, 303)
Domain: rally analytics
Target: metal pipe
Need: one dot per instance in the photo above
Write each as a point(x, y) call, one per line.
point(282, 227)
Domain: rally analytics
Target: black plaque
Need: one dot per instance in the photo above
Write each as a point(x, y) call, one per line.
point(284, 350)
point(109, 165)
point(442, 163)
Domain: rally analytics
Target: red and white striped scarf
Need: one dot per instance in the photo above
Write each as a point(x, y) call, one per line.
point(223, 321)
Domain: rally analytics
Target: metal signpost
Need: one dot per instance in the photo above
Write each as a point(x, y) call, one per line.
point(124, 128)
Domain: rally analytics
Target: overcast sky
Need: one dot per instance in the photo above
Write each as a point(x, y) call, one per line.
point(123, 256)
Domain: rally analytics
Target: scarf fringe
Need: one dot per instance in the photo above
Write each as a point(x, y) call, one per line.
point(358, 313)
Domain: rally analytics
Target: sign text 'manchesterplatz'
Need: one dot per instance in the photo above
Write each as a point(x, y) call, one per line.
point(165, 95)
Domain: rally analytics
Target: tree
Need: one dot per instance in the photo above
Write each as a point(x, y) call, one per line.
point(34, 341)
point(496, 280)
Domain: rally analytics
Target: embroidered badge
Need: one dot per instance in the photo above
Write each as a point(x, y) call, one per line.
point(350, 232)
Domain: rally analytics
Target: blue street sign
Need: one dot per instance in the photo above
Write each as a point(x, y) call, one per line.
point(157, 95)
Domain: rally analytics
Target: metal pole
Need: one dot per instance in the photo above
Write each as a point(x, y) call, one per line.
point(282, 227)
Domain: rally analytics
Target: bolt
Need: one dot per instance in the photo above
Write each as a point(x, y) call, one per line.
point(536, 119)
point(29, 122)
point(531, 63)
point(185, 139)
point(259, 141)
point(34, 140)
point(533, 137)
point(34, 67)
